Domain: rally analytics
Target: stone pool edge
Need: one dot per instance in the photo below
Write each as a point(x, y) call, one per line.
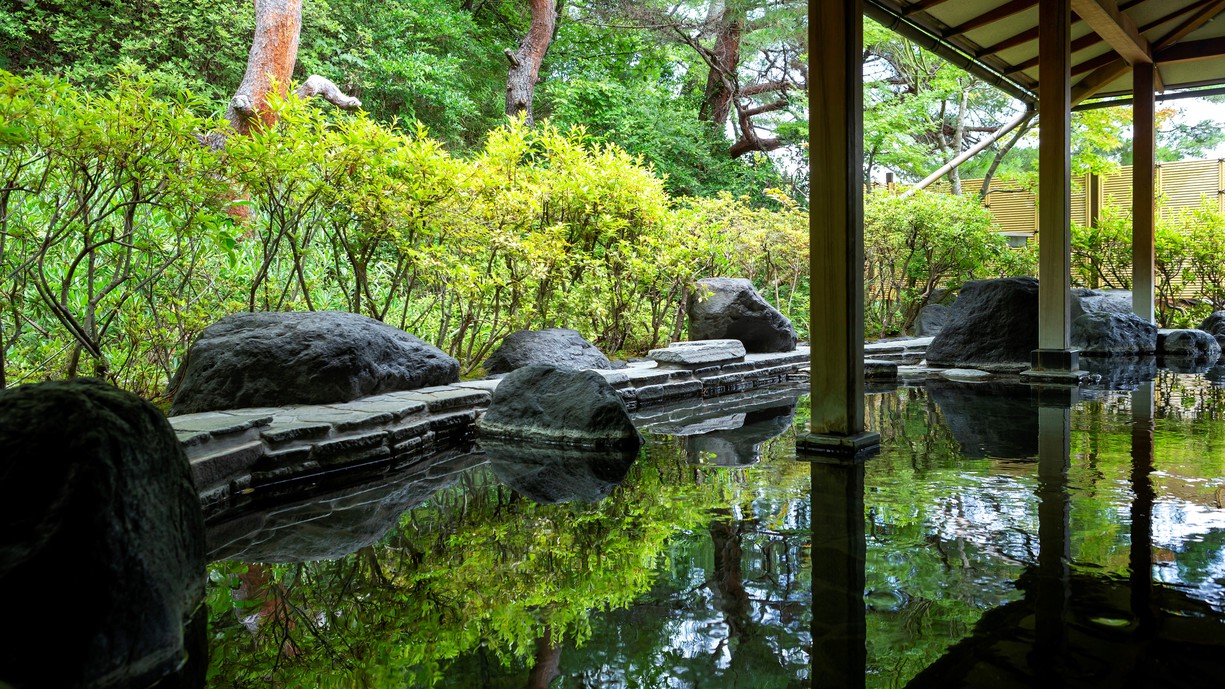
point(236, 455)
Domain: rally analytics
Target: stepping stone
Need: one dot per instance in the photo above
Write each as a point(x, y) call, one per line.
point(699, 354)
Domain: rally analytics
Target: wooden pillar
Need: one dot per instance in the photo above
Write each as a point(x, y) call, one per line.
point(1143, 189)
point(1054, 358)
point(836, 229)
point(1093, 204)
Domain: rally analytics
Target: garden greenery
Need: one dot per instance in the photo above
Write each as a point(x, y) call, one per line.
point(122, 235)
point(1189, 278)
point(919, 248)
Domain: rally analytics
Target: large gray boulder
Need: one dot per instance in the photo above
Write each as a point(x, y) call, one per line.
point(277, 359)
point(993, 326)
point(1214, 324)
point(1085, 300)
point(102, 551)
point(540, 403)
point(1187, 343)
point(1105, 333)
point(731, 309)
point(558, 347)
point(931, 320)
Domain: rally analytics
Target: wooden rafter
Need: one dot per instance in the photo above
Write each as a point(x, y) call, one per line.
point(1194, 50)
point(1116, 28)
point(995, 15)
point(1085, 41)
point(1091, 39)
point(922, 6)
point(1099, 78)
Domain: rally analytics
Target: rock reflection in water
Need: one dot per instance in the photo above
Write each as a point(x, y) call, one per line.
point(741, 446)
point(550, 474)
point(989, 419)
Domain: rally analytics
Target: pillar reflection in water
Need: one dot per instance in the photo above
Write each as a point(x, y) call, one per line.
point(1142, 506)
point(839, 643)
point(1054, 555)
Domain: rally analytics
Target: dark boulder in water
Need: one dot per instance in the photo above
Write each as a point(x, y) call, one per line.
point(561, 407)
point(102, 553)
point(993, 326)
point(1104, 333)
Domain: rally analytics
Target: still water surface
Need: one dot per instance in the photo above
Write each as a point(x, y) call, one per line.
point(990, 543)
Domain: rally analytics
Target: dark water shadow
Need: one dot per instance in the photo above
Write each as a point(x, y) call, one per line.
point(549, 475)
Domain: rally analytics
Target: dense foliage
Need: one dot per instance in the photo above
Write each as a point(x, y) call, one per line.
point(119, 239)
point(1188, 276)
point(919, 248)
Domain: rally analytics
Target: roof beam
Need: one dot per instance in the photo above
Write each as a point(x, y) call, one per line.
point(922, 6)
point(1206, 14)
point(1102, 76)
point(1116, 28)
point(1083, 42)
point(1195, 50)
point(1091, 39)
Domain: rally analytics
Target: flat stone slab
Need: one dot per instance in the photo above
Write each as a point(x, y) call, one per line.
point(966, 375)
point(701, 353)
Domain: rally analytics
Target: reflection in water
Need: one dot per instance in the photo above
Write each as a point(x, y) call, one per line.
point(547, 474)
point(839, 629)
point(928, 565)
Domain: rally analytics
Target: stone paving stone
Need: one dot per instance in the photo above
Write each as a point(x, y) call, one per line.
point(876, 369)
point(399, 408)
point(444, 423)
point(220, 423)
point(357, 456)
point(442, 398)
point(486, 384)
point(413, 444)
point(192, 438)
point(416, 428)
point(615, 378)
point(799, 356)
point(295, 430)
point(669, 391)
point(289, 455)
point(353, 443)
point(966, 375)
point(649, 376)
point(220, 465)
point(343, 420)
point(698, 354)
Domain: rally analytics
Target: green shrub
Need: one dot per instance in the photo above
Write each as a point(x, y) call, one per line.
point(916, 246)
point(120, 238)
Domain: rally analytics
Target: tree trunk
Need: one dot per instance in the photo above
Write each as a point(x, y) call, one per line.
point(720, 82)
point(271, 60)
point(525, 64)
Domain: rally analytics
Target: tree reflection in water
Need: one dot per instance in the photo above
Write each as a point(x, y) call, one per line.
point(692, 574)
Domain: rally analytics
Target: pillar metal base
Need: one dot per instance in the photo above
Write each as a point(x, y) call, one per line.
point(1060, 366)
point(836, 449)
